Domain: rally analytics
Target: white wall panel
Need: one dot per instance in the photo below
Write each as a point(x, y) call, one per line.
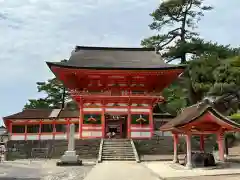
point(140, 110)
point(116, 109)
point(92, 109)
point(18, 137)
point(33, 137)
point(60, 136)
point(46, 136)
point(135, 134)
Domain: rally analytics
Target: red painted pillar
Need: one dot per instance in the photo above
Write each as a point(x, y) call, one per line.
point(68, 127)
point(25, 133)
point(189, 151)
point(202, 148)
point(151, 122)
point(10, 128)
point(81, 118)
point(175, 146)
point(54, 128)
point(103, 121)
point(129, 122)
point(220, 138)
point(40, 130)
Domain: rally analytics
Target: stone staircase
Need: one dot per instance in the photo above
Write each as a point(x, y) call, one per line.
point(117, 150)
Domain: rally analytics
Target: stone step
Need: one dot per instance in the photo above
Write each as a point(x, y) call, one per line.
point(119, 152)
point(120, 156)
point(117, 145)
point(129, 146)
point(115, 142)
point(119, 159)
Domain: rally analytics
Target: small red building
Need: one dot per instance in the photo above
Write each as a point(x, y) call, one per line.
point(199, 120)
point(115, 88)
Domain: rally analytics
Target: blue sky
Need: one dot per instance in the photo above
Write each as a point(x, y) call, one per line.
point(35, 31)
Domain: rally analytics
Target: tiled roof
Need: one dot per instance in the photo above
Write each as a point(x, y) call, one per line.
point(192, 113)
point(109, 57)
point(30, 114)
point(42, 114)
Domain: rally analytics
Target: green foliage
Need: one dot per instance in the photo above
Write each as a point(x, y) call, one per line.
point(180, 18)
point(201, 74)
point(53, 89)
point(175, 99)
point(235, 117)
point(226, 77)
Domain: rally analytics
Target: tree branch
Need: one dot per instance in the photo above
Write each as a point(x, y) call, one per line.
point(171, 16)
point(174, 36)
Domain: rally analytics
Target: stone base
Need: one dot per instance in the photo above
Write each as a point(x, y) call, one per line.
point(78, 163)
point(69, 158)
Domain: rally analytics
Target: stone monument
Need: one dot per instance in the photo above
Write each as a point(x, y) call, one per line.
point(70, 157)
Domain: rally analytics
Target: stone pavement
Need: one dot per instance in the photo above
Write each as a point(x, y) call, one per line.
point(109, 170)
point(41, 170)
point(222, 177)
point(166, 169)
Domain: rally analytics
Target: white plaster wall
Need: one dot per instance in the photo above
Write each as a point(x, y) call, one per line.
point(135, 134)
point(92, 109)
point(91, 127)
point(116, 109)
point(140, 110)
point(32, 137)
point(139, 128)
point(145, 134)
point(60, 136)
point(46, 136)
point(96, 133)
point(17, 137)
point(91, 133)
point(86, 133)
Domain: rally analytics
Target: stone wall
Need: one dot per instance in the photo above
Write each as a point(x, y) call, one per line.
point(163, 145)
point(86, 149)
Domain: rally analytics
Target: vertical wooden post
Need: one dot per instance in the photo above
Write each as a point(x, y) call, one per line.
point(103, 120)
point(175, 146)
point(220, 136)
point(40, 130)
point(129, 122)
point(81, 118)
point(54, 128)
point(68, 127)
point(189, 151)
point(202, 144)
point(151, 122)
point(10, 128)
point(25, 133)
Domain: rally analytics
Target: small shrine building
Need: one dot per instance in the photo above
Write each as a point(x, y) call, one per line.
point(199, 120)
point(116, 90)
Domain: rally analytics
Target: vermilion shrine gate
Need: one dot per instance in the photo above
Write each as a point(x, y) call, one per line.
point(115, 88)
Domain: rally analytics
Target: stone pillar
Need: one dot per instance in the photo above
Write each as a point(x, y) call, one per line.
point(70, 156)
point(175, 146)
point(202, 147)
point(189, 151)
point(71, 140)
point(220, 137)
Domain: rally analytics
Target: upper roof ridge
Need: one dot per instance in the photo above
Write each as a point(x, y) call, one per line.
point(77, 48)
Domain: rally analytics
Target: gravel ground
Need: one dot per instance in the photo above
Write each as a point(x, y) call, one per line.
point(42, 170)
